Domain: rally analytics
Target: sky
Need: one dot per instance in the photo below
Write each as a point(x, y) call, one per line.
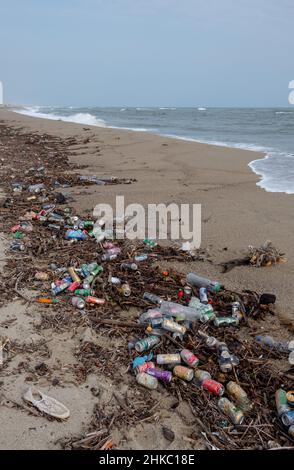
point(147, 52)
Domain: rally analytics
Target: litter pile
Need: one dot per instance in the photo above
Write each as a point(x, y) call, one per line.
point(186, 339)
point(266, 255)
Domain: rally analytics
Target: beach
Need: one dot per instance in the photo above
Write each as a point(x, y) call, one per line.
point(235, 213)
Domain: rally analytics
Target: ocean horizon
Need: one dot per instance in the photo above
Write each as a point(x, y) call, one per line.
point(267, 130)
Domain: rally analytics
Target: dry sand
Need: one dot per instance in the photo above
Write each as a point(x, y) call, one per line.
point(235, 213)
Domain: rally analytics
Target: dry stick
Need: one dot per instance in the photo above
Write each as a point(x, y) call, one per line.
point(121, 324)
point(121, 403)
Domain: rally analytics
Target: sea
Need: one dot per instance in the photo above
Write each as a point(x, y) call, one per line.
point(268, 130)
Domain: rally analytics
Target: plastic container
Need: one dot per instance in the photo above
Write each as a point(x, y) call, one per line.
point(198, 281)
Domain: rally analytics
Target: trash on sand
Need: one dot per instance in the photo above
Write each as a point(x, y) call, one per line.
point(46, 404)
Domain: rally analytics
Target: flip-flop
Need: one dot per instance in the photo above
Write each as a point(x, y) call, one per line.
point(45, 404)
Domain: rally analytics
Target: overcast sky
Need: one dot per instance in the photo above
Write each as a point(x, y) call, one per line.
point(147, 52)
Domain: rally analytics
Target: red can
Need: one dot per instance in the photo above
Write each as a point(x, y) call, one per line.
point(213, 387)
point(94, 300)
point(73, 286)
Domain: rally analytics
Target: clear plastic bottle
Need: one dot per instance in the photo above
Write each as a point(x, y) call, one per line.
point(180, 312)
point(198, 281)
point(152, 298)
point(282, 346)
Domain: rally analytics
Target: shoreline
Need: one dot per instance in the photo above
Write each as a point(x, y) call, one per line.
point(265, 154)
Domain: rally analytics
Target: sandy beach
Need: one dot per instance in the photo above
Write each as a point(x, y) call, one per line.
point(235, 213)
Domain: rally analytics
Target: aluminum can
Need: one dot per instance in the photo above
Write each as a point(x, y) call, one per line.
point(170, 325)
point(230, 410)
point(168, 359)
point(189, 358)
point(78, 302)
point(183, 373)
point(160, 374)
point(146, 343)
point(147, 380)
point(213, 387)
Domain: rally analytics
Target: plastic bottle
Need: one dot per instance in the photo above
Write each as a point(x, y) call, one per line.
point(239, 396)
point(151, 314)
point(129, 267)
point(205, 311)
point(226, 360)
point(198, 281)
point(140, 258)
point(282, 346)
point(230, 410)
point(180, 312)
point(155, 299)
